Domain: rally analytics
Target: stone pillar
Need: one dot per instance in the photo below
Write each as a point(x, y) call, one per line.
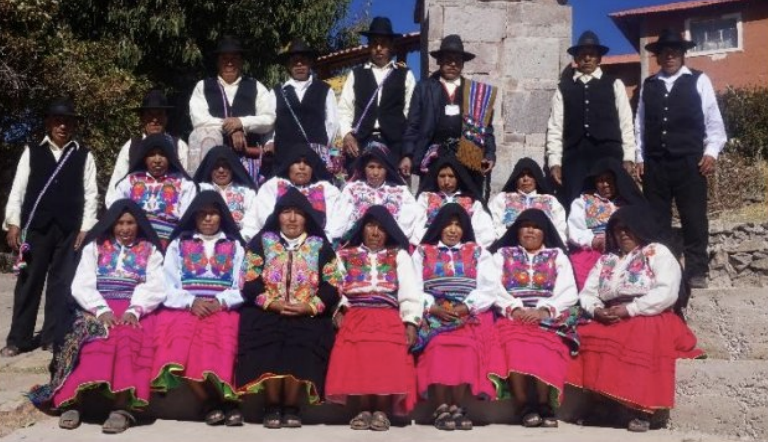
point(521, 48)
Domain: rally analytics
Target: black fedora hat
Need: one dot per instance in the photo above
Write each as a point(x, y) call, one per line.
point(588, 39)
point(452, 44)
point(155, 99)
point(228, 45)
point(667, 39)
point(61, 107)
point(297, 46)
point(380, 26)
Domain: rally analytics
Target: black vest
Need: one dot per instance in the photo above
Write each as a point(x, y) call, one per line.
point(243, 105)
point(63, 202)
point(389, 112)
point(589, 110)
point(310, 112)
point(449, 126)
point(674, 121)
point(134, 148)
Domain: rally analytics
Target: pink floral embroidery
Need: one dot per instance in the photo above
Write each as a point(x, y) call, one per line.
point(597, 211)
point(435, 201)
point(364, 196)
point(440, 262)
point(515, 203)
point(315, 193)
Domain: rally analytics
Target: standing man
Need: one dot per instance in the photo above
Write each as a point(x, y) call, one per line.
point(52, 205)
point(235, 106)
point(680, 133)
point(153, 114)
point(374, 101)
point(590, 119)
point(452, 116)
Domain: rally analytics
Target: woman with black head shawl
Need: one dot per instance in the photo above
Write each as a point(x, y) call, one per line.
point(537, 293)
point(375, 182)
point(449, 182)
point(526, 188)
point(291, 290)
point(222, 171)
point(629, 349)
point(197, 330)
point(377, 322)
point(607, 188)
point(300, 168)
point(119, 282)
point(456, 344)
point(158, 184)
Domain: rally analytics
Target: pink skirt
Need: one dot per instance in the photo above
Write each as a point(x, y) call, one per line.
point(533, 351)
point(463, 356)
point(121, 362)
point(583, 260)
point(370, 356)
point(196, 349)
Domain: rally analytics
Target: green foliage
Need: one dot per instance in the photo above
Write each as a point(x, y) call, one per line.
point(745, 112)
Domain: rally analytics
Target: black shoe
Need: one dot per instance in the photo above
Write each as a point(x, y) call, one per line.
point(698, 282)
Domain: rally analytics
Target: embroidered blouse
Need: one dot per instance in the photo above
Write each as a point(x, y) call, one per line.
point(589, 217)
point(646, 279)
point(322, 195)
point(197, 266)
point(506, 206)
point(429, 203)
point(110, 271)
point(241, 201)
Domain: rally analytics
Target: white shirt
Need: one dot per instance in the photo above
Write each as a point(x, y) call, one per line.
point(21, 179)
point(451, 85)
point(482, 224)
point(556, 118)
point(260, 123)
point(331, 110)
point(347, 98)
point(243, 212)
point(715, 138)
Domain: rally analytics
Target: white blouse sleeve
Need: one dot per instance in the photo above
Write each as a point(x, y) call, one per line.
point(565, 294)
point(84, 284)
point(588, 298)
point(482, 224)
point(119, 171)
point(420, 223)
point(485, 294)
point(265, 201)
point(198, 109)
point(177, 298)
point(148, 295)
point(558, 218)
point(418, 269)
point(504, 300)
point(331, 194)
point(578, 233)
point(497, 207)
point(231, 297)
point(408, 292)
point(188, 193)
point(343, 215)
point(407, 215)
point(250, 221)
point(122, 190)
point(663, 295)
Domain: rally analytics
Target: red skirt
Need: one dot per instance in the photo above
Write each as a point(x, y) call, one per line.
point(462, 356)
point(196, 349)
point(583, 260)
point(633, 361)
point(532, 351)
point(370, 356)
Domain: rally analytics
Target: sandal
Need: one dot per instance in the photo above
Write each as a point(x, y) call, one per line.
point(531, 417)
point(639, 425)
point(362, 421)
point(272, 417)
point(233, 418)
point(214, 417)
point(117, 422)
point(460, 419)
point(443, 419)
point(291, 418)
point(69, 420)
point(10, 351)
point(548, 419)
point(380, 422)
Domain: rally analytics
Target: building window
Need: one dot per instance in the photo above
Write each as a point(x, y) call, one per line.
point(716, 34)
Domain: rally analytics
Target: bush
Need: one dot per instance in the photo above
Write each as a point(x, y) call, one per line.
point(745, 112)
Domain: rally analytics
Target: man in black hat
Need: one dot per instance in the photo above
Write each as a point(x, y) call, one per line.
point(153, 114)
point(374, 102)
point(445, 108)
point(52, 205)
point(305, 107)
point(236, 106)
point(590, 119)
point(680, 133)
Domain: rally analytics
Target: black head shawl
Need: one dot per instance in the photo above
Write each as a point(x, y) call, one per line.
point(103, 228)
point(163, 142)
point(443, 217)
point(395, 236)
point(298, 151)
point(625, 185)
point(393, 175)
point(239, 174)
point(188, 224)
point(295, 199)
point(636, 218)
point(510, 238)
point(465, 183)
point(542, 186)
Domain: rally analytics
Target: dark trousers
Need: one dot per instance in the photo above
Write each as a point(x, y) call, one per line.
point(577, 162)
point(51, 254)
point(678, 178)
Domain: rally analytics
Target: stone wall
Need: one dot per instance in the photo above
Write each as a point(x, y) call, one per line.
point(738, 255)
point(521, 48)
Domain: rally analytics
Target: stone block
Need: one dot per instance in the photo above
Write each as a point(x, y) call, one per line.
point(537, 19)
point(482, 23)
point(434, 21)
point(531, 58)
point(527, 112)
point(486, 61)
point(539, 84)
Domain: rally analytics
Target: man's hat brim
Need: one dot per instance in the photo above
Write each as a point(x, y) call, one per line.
point(467, 56)
point(286, 55)
point(370, 34)
point(657, 46)
point(573, 50)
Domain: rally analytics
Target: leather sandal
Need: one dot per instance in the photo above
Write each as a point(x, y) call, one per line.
point(548, 419)
point(272, 417)
point(233, 418)
point(460, 419)
point(380, 421)
point(117, 422)
point(69, 420)
point(443, 419)
point(214, 416)
point(531, 417)
point(291, 418)
point(362, 421)
point(639, 425)
point(10, 351)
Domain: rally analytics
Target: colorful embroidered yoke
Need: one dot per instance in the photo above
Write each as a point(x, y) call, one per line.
point(371, 277)
point(619, 285)
point(315, 193)
point(160, 199)
point(386, 195)
point(529, 280)
point(203, 275)
point(515, 203)
point(234, 196)
point(121, 268)
point(436, 200)
point(597, 211)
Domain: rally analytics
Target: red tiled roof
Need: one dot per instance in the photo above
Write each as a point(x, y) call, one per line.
point(407, 38)
point(669, 7)
point(621, 59)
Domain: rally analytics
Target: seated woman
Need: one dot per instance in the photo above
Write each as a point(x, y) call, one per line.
point(456, 344)
point(291, 291)
point(628, 350)
point(119, 282)
point(304, 170)
point(158, 184)
point(449, 182)
point(377, 323)
point(607, 187)
point(197, 331)
point(222, 171)
point(537, 330)
point(526, 188)
point(375, 182)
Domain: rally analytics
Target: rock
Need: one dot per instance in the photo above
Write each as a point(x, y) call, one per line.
point(750, 245)
point(740, 261)
point(719, 261)
point(760, 265)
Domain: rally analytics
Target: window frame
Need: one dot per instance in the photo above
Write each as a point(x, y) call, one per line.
point(693, 52)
